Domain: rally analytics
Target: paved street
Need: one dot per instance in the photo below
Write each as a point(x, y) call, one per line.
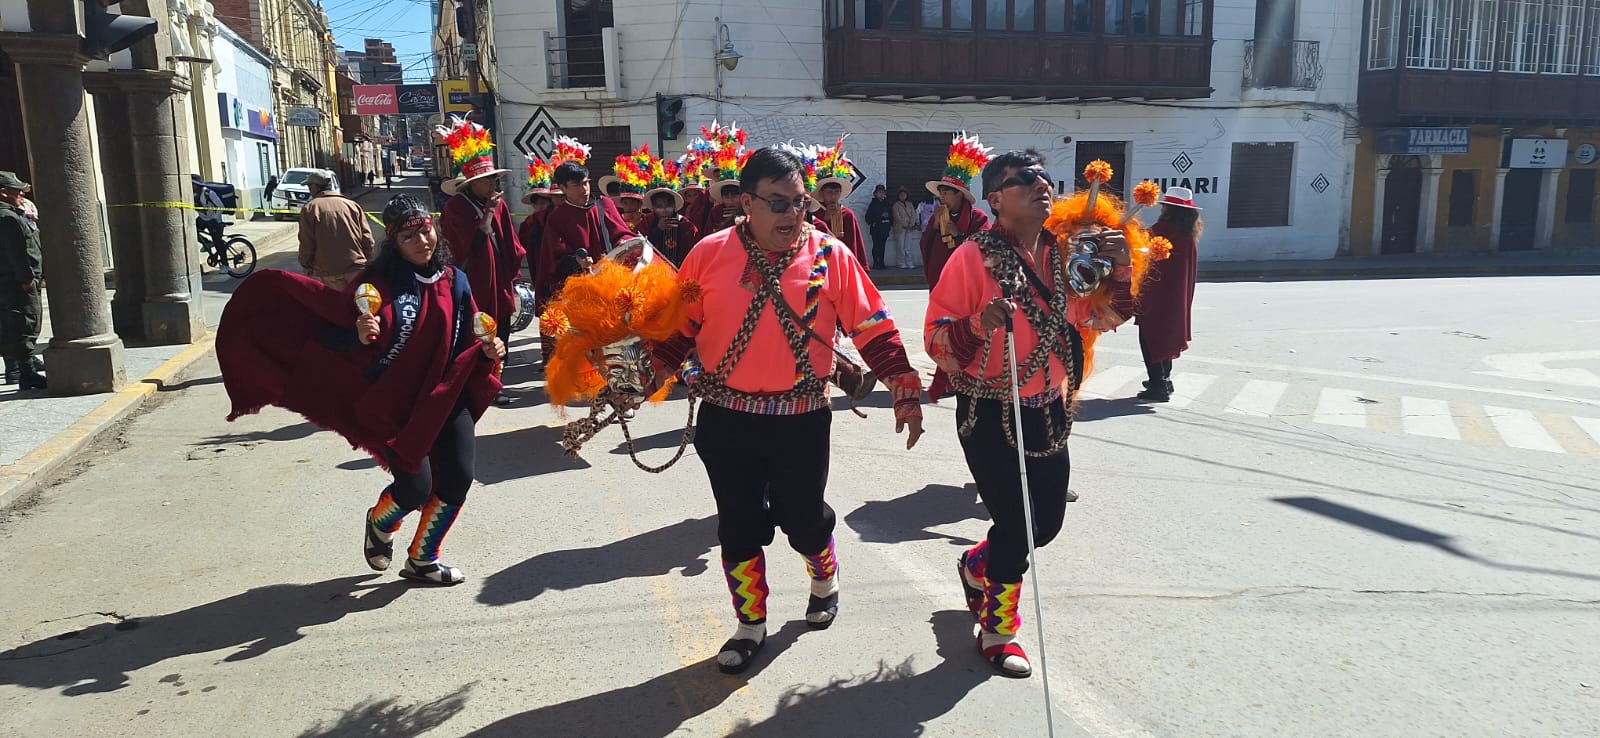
point(1370, 511)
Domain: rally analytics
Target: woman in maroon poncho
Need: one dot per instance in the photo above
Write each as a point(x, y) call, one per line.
point(1168, 293)
point(405, 384)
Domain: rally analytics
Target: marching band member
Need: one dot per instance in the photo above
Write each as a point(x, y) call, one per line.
point(579, 229)
point(833, 185)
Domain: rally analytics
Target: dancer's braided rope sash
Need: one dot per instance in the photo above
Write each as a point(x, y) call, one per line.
point(1057, 336)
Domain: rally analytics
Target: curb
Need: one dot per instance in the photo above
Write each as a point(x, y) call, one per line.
point(25, 475)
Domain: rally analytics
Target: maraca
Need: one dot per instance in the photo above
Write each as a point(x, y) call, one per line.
point(483, 328)
point(368, 301)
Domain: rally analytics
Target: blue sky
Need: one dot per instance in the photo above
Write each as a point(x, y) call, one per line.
point(405, 23)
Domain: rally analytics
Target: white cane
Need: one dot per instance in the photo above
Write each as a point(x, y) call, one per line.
point(1027, 512)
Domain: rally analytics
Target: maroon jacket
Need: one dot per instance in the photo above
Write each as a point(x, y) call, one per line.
point(936, 251)
point(676, 243)
point(1167, 296)
point(596, 229)
point(491, 264)
point(289, 340)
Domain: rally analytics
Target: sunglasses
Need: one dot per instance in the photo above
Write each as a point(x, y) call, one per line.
point(1026, 178)
point(779, 207)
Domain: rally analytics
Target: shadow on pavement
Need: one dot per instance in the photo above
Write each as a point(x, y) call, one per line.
point(522, 453)
point(254, 622)
point(892, 702)
point(386, 719)
point(187, 384)
point(651, 709)
point(1101, 409)
point(678, 546)
point(910, 517)
point(655, 442)
point(287, 433)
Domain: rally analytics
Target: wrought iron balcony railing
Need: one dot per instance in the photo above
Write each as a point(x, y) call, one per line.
point(1284, 65)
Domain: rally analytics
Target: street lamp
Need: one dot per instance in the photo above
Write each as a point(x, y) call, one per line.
point(726, 55)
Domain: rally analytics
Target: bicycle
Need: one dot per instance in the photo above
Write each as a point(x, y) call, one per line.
point(236, 258)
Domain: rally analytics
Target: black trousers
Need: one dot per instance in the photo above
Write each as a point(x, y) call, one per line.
point(880, 239)
point(1159, 371)
point(993, 463)
point(447, 472)
point(20, 316)
point(766, 472)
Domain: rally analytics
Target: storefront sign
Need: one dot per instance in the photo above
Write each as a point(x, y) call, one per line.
point(254, 121)
point(456, 97)
point(1586, 154)
point(307, 117)
point(375, 99)
point(416, 99)
point(1537, 153)
point(1424, 141)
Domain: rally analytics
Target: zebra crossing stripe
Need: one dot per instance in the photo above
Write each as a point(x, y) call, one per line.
point(1520, 429)
point(1109, 381)
point(1340, 407)
point(1431, 418)
point(1186, 387)
point(1590, 426)
point(1258, 398)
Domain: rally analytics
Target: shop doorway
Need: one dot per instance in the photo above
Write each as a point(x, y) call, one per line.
point(1402, 205)
point(1519, 209)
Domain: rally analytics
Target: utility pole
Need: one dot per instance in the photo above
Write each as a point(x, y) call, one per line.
point(470, 36)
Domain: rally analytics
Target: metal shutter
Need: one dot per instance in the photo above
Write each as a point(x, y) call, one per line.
point(1262, 177)
point(914, 157)
point(606, 144)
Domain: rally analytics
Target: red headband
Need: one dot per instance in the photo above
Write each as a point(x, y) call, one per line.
point(416, 221)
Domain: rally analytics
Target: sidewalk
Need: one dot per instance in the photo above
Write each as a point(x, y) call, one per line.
point(1526, 263)
point(39, 432)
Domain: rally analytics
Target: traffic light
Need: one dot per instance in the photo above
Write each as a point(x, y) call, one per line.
point(106, 33)
point(669, 117)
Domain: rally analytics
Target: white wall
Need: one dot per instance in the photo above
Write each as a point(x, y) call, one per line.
point(243, 73)
point(776, 94)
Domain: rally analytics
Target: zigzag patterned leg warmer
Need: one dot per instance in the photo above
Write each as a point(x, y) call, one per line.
point(747, 582)
point(823, 566)
point(1001, 615)
point(387, 516)
point(437, 517)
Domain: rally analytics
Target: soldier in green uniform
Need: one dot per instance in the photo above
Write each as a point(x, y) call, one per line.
point(20, 274)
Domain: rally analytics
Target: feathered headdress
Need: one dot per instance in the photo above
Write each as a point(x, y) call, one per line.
point(633, 171)
point(569, 149)
point(833, 167)
point(727, 156)
point(966, 158)
point(539, 174)
point(1084, 208)
point(611, 304)
point(470, 148)
point(665, 177)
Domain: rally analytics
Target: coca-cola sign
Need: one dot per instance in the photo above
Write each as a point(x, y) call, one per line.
point(417, 98)
point(375, 99)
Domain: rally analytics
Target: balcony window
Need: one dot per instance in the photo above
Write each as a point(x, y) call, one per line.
point(1522, 24)
point(956, 16)
point(1022, 15)
point(1474, 35)
point(1429, 34)
point(995, 17)
point(1591, 42)
point(1560, 44)
point(875, 14)
point(1383, 40)
point(1139, 17)
point(1068, 16)
point(1116, 16)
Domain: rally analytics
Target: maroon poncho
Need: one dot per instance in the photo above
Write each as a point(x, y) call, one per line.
point(531, 235)
point(1166, 297)
point(289, 340)
point(676, 243)
point(850, 233)
point(569, 228)
point(491, 263)
point(935, 252)
point(697, 212)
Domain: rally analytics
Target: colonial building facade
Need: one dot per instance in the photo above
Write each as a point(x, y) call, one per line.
point(1247, 103)
point(1479, 126)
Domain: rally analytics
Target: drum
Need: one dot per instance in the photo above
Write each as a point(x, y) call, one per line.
point(522, 314)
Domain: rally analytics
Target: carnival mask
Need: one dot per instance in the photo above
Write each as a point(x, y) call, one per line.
point(627, 368)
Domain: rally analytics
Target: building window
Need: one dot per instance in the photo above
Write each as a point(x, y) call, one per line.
point(1428, 33)
point(1116, 16)
point(1474, 35)
point(1591, 39)
point(1181, 17)
point(878, 14)
point(1463, 198)
point(1262, 176)
point(1022, 15)
point(1381, 42)
point(1580, 196)
point(1194, 18)
point(1114, 153)
point(1562, 29)
point(1521, 28)
point(1069, 16)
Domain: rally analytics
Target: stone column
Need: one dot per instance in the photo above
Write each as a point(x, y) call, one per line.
point(1428, 220)
point(84, 356)
point(116, 178)
point(172, 306)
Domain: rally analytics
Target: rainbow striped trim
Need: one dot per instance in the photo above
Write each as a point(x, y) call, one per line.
point(387, 514)
point(871, 321)
point(1001, 615)
point(766, 405)
point(824, 565)
point(747, 582)
point(819, 277)
point(437, 517)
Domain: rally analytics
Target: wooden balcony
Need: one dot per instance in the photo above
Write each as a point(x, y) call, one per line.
point(1418, 96)
point(907, 63)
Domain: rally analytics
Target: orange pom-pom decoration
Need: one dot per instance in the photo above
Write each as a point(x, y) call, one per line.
point(691, 292)
point(554, 323)
point(1098, 172)
point(1160, 248)
point(1146, 193)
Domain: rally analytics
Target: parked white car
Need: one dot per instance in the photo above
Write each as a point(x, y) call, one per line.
point(292, 194)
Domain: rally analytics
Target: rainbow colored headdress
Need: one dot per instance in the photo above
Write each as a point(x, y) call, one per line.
point(724, 152)
point(633, 171)
point(469, 148)
point(539, 174)
point(966, 158)
point(833, 167)
point(667, 177)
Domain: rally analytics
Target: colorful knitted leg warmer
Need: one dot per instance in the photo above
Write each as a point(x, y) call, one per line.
point(1000, 608)
point(387, 515)
point(824, 565)
point(437, 517)
point(747, 582)
point(977, 563)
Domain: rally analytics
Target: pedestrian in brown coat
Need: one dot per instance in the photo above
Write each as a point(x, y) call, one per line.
point(335, 239)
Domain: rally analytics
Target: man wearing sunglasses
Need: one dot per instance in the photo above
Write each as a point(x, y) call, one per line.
point(1010, 275)
point(757, 351)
